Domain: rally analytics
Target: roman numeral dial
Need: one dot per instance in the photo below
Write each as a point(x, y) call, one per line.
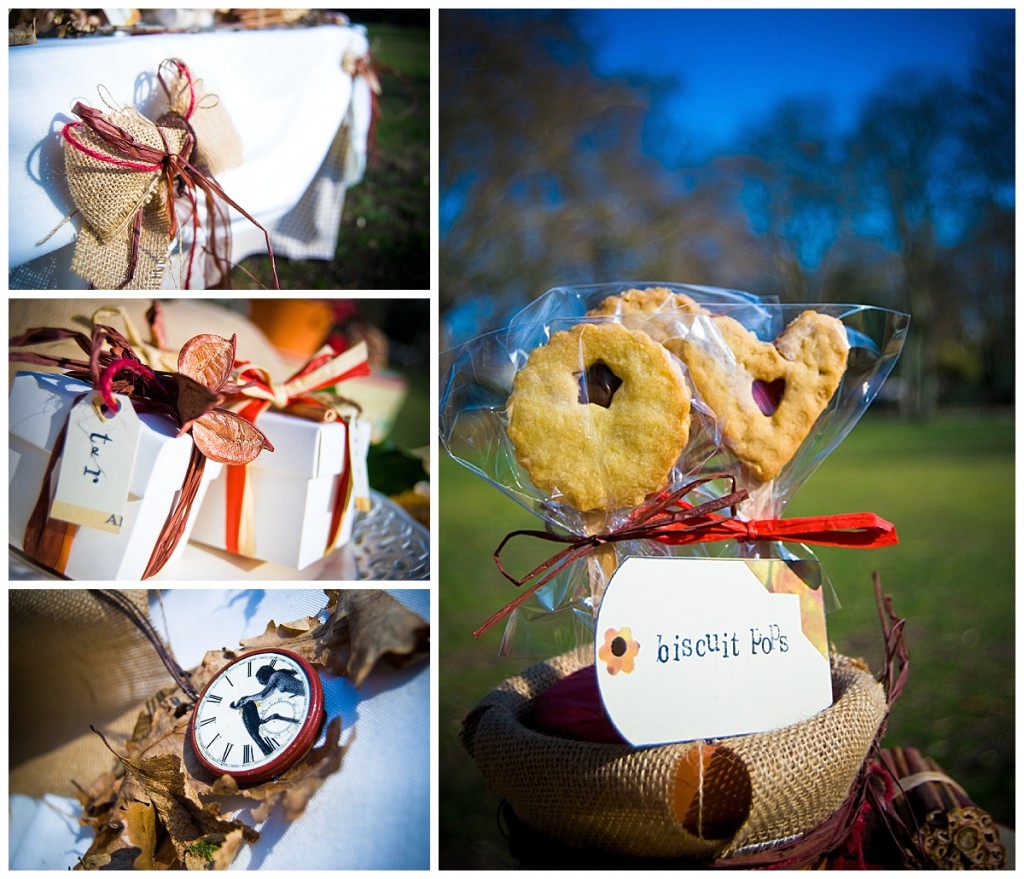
point(257, 716)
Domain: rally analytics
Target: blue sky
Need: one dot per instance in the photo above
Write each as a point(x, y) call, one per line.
point(734, 64)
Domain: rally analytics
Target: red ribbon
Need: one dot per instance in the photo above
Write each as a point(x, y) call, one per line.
point(324, 370)
point(857, 530)
point(665, 517)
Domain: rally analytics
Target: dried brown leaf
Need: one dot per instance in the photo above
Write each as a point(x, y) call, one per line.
point(295, 787)
point(185, 818)
point(166, 857)
point(99, 798)
point(305, 777)
point(367, 625)
point(160, 727)
point(363, 627)
point(113, 848)
point(208, 359)
point(196, 831)
point(228, 438)
point(141, 831)
point(228, 849)
point(295, 636)
point(94, 861)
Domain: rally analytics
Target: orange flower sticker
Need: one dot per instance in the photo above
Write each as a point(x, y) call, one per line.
point(619, 650)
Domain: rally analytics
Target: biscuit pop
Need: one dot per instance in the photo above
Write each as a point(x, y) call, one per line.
point(658, 311)
point(599, 417)
point(768, 395)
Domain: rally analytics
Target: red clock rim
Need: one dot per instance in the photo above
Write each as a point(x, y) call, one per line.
point(298, 746)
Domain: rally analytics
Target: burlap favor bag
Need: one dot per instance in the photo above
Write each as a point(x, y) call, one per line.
point(143, 187)
point(218, 146)
point(75, 661)
point(693, 800)
point(110, 196)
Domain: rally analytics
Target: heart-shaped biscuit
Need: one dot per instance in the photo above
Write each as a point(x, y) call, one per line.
point(768, 395)
point(598, 416)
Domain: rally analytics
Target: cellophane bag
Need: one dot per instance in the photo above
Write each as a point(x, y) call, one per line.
point(724, 344)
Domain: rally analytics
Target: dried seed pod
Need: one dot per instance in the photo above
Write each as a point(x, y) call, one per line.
point(963, 838)
point(225, 437)
point(208, 359)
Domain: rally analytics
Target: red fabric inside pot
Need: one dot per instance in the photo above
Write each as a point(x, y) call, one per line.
point(572, 709)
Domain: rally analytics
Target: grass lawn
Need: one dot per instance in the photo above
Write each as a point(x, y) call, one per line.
point(384, 239)
point(947, 485)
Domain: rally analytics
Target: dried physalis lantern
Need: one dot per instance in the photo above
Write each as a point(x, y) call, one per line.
point(205, 366)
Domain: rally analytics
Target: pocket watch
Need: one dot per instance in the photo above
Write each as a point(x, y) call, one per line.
point(258, 715)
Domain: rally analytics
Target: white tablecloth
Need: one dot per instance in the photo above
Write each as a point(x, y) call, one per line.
point(285, 90)
point(374, 813)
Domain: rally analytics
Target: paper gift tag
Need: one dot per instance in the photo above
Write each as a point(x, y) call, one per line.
point(704, 648)
point(96, 468)
point(359, 432)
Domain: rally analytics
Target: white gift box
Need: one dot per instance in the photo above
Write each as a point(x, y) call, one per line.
point(39, 405)
point(294, 490)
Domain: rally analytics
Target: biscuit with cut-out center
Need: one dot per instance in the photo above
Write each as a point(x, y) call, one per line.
point(657, 311)
point(767, 396)
point(598, 416)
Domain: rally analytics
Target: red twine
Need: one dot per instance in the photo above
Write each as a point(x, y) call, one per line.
point(665, 517)
point(105, 385)
point(182, 68)
point(103, 157)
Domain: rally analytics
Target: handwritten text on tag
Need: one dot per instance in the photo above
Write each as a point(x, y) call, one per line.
point(96, 469)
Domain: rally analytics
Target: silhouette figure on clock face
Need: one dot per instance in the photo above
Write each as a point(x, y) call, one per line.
point(284, 681)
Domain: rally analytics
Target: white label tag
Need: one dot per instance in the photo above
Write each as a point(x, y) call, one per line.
point(359, 431)
point(704, 648)
point(96, 468)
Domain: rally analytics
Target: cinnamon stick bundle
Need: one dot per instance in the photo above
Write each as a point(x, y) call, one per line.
point(951, 831)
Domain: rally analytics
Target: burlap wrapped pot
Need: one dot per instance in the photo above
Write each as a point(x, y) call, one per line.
point(693, 800)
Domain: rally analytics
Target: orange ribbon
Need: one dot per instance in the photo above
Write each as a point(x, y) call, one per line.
point(324, 370)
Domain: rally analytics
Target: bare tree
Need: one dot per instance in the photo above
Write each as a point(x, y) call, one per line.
point(545, 177)
point(548, 178)
point(903, 154)
point(986, 258)
point(793, 191)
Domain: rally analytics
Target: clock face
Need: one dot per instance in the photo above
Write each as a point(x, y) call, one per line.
point(258, 715)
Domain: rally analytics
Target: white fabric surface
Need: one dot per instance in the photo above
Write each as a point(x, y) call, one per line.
point(284, 89)
point(374, 813)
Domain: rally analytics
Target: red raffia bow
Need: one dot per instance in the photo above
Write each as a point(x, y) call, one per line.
point(665, 517)
point(324, 370)
point(133, 155)
point(110, 356)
